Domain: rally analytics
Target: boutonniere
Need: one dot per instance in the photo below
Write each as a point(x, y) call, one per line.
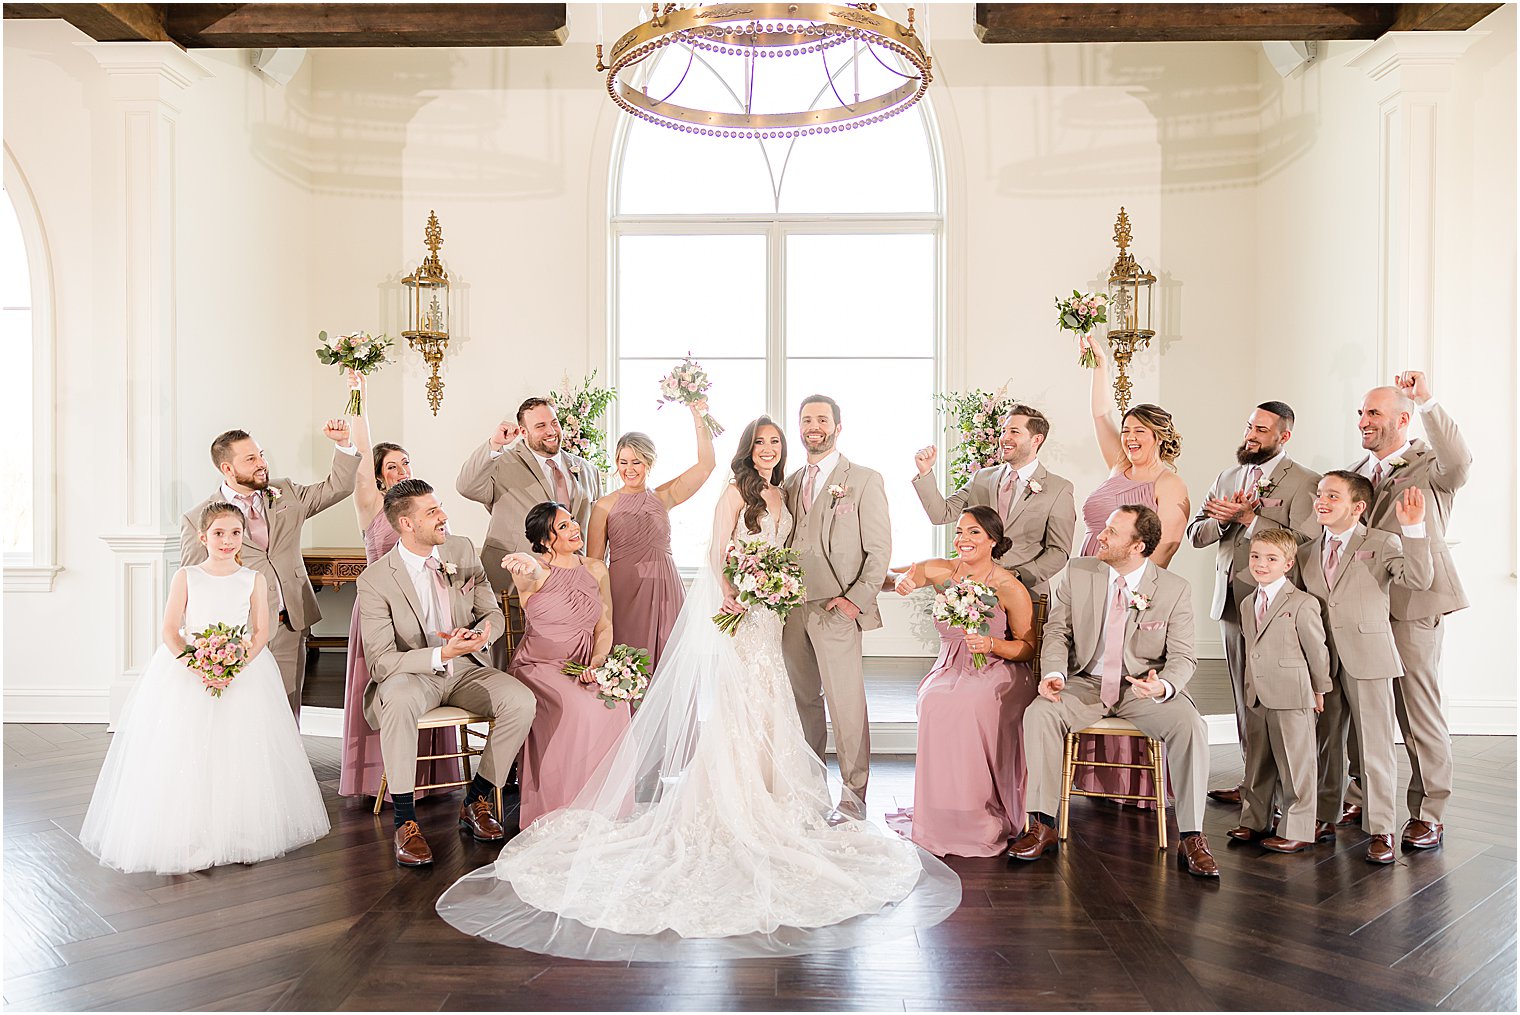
point(1264, 486)
point(1395, 465)
point(575, 470)
point(450, 571)
point(1035, 487)
point(1138, 602)
point(272, 495)
point(837, 491)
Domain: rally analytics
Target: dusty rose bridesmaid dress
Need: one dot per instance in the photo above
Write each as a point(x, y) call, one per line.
point(572, 728)
point(646, 587)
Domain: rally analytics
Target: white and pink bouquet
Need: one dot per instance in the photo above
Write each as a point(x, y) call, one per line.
point(688, 384)
point(217, 654)
point(763, 575)
point(579, 412)
point(1079, 315)
point(967, 605)
point(623, 678)
point(358, 351)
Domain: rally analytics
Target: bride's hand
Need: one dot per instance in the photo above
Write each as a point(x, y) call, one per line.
point(732, 605)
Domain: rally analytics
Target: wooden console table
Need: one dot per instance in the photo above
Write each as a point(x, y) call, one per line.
point(331, 567)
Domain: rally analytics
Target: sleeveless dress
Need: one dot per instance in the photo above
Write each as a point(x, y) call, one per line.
point(646, 587)
point(572, 728)
point(192, 781)
point(1114, 492)
point(362, 765)
point(968, 775)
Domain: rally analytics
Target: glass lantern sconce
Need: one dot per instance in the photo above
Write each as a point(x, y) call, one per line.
point(1130, 289)
point(427, 310)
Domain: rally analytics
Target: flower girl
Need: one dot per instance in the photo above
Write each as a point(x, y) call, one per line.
point(207, 766)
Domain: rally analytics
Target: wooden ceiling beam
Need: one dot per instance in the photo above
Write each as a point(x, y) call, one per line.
point(1440, 17)
point(1209, 22)
point(115, 22)
point(353, 25)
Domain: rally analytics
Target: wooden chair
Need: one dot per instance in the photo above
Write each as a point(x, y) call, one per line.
point(511, 608)
point(461, 719)
point(1156, 765)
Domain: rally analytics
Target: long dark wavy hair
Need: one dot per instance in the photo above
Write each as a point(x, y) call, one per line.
point(748, 479)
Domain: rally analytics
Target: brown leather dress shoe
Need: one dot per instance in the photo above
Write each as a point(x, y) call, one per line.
point(411, 848)
point(1422, 834)
point(1226, 796)
point(1324, 831)
point(477, 818)
point(1194, 857)
point(1380, 849)
point(1240, 833)
point(1277, 844)
point(1352, 815)
point(1035, 843)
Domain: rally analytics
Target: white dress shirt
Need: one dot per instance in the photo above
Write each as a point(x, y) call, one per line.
point(1024, 472)
point(422, 581)
point(1271, 590)
point(825, 468)
point(1132, 583)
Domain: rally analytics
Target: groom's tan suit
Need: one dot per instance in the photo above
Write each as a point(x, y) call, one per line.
point(846, 543)
point(286, 506)
point(400, 637)
point(1039, 523)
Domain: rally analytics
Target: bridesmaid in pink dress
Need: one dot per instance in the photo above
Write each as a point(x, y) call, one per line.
point(361, 767)
point(633, 522)
point(567, 605)
point(968, 778)
point(1139, 452)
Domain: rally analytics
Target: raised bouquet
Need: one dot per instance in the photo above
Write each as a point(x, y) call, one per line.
point(580, 413)
point(978, 420)
point(623, 678)
point(764, 575)
point(1079, 315)
point(358, 351)
point(967, 605)
point(217, 654)
point(688, 384)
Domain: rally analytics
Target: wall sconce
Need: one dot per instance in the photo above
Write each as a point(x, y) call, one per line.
point(427, 310)
point(1129, 310)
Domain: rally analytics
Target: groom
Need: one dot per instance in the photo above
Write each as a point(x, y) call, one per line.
point(840, 525)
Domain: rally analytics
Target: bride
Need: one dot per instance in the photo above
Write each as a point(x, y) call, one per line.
point(709, 825)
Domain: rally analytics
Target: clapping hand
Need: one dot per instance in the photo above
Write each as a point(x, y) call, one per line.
point(519, 563)
point(1149, 686)
point(506, 432)
point(1410, 506)
point(1050, 687)
point(1237, 508)
point(924, 458)
point(336, 431)
point(1413, 385)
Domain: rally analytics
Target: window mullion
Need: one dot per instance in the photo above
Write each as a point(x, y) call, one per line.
point(775, 348)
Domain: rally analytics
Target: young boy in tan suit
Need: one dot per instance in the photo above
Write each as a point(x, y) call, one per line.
point(1287, 672)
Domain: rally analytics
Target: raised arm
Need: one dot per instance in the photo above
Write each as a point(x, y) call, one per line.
point(940, 509)
point(681, 489)
point(1105, 412)
point(368, 500)
point(318, 497)
point(476, 474)
point(1453, 458)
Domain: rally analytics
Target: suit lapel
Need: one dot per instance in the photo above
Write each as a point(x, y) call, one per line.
point(1272, 611)
point(1358, 536)
point(1098, 591)
point(403, 581)
point(1018, 506)
point(1132, 618)
point(530, 462)
point(839, 474)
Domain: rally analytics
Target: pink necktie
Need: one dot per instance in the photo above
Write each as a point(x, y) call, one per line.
point(1113, 647)
point(1253, 480)
point(258, 526)
point(1005, 492)
point(561, 488)
point(1332, 561)
point(1261, 609)
point(1377, 473)
point(807, 487)
point(443, 614)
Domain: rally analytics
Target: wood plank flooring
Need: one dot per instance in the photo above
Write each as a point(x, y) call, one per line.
point(1107, 924)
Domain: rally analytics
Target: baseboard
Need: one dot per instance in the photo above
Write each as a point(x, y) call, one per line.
point(1481, 718)
point(57, 704)
point(1208, 648)
point(1222, 729)
point(321, 722)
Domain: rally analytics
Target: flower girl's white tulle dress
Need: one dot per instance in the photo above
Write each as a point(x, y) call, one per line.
point(191, 780)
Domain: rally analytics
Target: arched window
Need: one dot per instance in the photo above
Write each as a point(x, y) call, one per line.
point(788, 268)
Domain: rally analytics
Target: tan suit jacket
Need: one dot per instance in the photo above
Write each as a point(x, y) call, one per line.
point(1288, 659)
point(393, 623)
point(1159, 638)
point(283, 567)
point(1439, 469)
point(1287, 503)
point(512, 483)
point(1041, 525)
point(1358, 623)
point(846, 542)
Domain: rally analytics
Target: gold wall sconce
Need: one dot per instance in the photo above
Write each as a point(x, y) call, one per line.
point(427, 310)
point(1129, 310)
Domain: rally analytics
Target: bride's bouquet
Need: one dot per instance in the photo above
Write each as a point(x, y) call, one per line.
point(966, 605)
point(217, 654)
point(358, 351)
point(688, 384)
point(624, 677)
point(762, 574)
point(1079, 315)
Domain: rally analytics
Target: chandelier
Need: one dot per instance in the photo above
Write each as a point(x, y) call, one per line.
point(861, 68)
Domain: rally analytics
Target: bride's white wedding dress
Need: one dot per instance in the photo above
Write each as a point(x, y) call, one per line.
point(707, 824)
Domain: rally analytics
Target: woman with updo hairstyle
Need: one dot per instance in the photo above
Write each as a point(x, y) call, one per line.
point(567, 611)
point(630, 528)
point(968, 780)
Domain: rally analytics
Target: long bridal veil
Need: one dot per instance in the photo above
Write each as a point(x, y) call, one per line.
point(704, 831)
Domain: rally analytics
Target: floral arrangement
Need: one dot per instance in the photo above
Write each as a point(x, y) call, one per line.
point(1138, 602)
point(623, 678)
point(966, 605)
point(216, 655)
point(1079, 315)
point(688, 384)
point(579, 413)
point(358, 351)
point(978, 416)
point(762, 575)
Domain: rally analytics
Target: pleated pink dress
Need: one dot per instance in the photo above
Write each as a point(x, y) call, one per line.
point(646, 587)
point(361, 768)
point(572, 729)
point(968, 777)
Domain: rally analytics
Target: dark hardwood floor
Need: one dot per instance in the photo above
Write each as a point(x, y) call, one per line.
point(1108, 924)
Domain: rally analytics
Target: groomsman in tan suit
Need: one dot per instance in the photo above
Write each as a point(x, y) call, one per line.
point(840, 525)
point(509, 480)
point(1119, 641)
point(1038, 509)
point(1438, 467)
point(1352, 571)
point(1264, 489)
point(274, 511)
point(427, 614)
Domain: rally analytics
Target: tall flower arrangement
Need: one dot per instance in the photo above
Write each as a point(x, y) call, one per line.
point(580, 413)
point(977, 417)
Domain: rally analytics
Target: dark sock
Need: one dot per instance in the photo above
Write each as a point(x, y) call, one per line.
point(1185, 835)
point(1044, 819)
point(406, 808)
point(479, 787)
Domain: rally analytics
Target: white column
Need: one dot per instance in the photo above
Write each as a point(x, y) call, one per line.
point(1413, 70)
point(145, 81)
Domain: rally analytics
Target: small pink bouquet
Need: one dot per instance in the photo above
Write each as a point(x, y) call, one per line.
point(358, 351)
point(217, 654)
point(763, 575)
point(688, 384)
point(622, 679)
point(1079, 315)
point(967, 605)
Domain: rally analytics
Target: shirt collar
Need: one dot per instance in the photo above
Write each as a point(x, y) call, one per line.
point(826, 467)
point(1373, 460)
point(1027, 470)
point(1132, 580)
point(1343, 538)
point(413, 562)
point(1273, 589)
point(231, 496)
point(1270, 465)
